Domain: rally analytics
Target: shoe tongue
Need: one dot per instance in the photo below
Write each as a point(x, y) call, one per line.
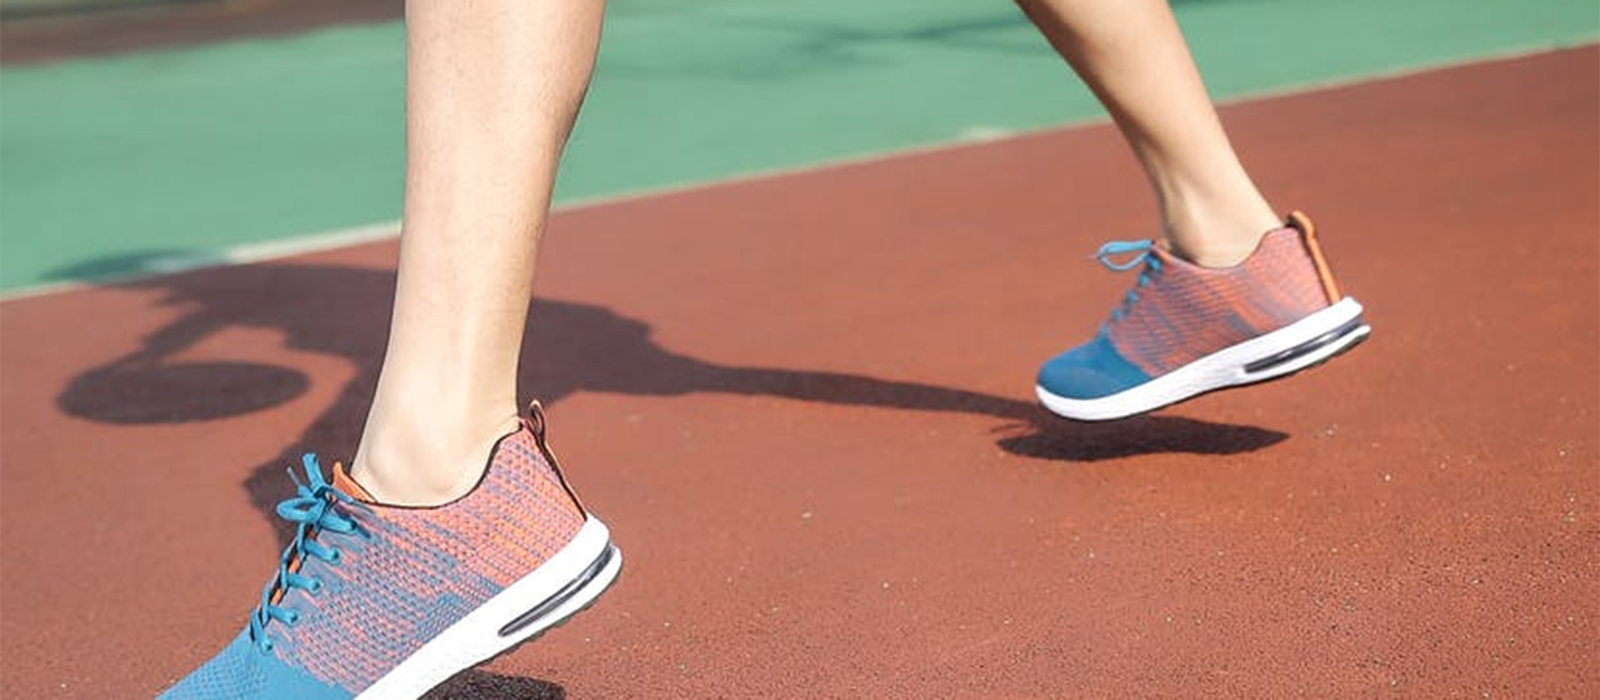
point(343, 482)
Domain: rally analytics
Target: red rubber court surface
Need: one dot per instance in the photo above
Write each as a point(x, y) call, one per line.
point(804, 406)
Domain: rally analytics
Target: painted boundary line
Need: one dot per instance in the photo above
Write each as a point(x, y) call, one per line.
point(974, 137)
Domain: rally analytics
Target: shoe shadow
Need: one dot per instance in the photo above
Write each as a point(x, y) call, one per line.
point(344, 311)
point(483, 685)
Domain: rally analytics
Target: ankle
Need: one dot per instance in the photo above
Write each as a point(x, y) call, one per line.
point(418, 462)
point(1218, 235)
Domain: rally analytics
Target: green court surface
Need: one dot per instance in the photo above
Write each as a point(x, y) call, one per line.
point(116, 166)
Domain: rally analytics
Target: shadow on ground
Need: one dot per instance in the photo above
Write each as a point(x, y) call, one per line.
point(344, 312)
point(482, 685)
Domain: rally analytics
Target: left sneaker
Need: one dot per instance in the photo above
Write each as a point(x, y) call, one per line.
point(1184, 330)
point(383, 602)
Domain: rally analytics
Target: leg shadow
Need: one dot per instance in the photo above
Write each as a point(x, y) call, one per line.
point(343, 312)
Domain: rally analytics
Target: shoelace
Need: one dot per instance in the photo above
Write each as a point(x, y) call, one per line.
point(313, 512)
point(1152, 265)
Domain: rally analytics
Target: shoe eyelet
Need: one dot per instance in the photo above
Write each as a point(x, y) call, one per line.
point(335, 556)
point(294, 618)
point(315, 586)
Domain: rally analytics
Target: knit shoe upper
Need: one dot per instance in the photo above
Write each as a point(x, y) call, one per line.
point(364, 585)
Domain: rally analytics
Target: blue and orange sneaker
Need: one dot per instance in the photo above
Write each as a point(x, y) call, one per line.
point(1185, 330)
point(377, 601)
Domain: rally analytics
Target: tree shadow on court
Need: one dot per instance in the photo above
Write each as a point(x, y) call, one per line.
point(789, 45)
point(752, 43)
point(344, 311)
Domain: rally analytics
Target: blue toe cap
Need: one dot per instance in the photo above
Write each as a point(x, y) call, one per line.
point(241, 672)
point(1090, 371)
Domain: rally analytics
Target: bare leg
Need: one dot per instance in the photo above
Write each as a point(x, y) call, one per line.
point(493, 88)
point(1133, 56)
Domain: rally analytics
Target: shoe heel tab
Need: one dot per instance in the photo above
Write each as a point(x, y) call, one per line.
point(534, 421)
point(536, 424)
point(1308, 236)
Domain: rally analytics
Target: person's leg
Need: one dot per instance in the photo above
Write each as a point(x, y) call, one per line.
point(1236, 296)
point(1133, 56)
point(455, 537)
point(493, 87)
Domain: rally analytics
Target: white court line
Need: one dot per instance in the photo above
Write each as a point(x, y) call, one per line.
point(972, 136)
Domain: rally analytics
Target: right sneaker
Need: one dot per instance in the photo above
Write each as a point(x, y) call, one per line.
point(385, 602)
point(1185, 329)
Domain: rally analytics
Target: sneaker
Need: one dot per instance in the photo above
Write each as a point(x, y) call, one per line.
point(378, 601)
point(1185, 330)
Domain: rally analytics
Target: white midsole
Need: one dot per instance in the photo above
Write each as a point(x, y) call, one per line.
point(476, 638)
point(1223, 368)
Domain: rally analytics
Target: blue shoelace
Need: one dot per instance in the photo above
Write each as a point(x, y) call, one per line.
point(313, 512)
point(1151, 263)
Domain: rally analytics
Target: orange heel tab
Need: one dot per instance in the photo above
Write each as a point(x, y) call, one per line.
point(1308, 235)
point(536, 424)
